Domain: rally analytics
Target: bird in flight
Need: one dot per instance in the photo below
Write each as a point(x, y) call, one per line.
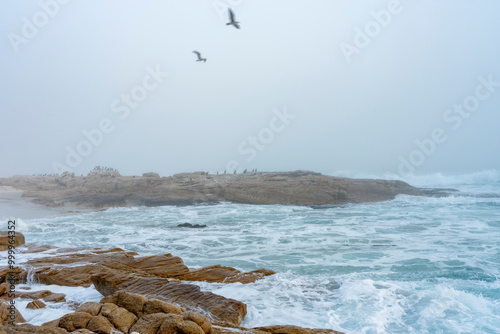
point(232, 21)
point(199, 57)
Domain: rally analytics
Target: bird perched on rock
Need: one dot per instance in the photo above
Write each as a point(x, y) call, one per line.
point(199, 57)
point(232, 22)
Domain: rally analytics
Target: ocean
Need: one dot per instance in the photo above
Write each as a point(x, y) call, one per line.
point(410, 265)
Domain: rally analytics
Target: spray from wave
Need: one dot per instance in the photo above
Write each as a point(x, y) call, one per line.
point(491, 177)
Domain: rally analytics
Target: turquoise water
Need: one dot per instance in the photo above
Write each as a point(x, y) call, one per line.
point(411, 265)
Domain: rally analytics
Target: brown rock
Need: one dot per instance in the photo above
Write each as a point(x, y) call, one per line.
point(164, 265)
point(170, 324)
point(199, 319)
point(45, 295)
point(55, 298)
point(6, 313)
point(82, 331)
point(218, 273)
point(36, 304)
point(100, 325)
point(17, 273)
point(107, 308)
point(190, 327)
point(66, 276)
point(74, 321)
point(11, 238)
point(157, 306)
point(122, 319)
point(132, 302)
point(34, 294)
point(149, 323)
point(221, 310)
point(27, 328)
point(91, 308)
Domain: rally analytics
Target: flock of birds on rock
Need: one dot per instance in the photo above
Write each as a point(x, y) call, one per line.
point(232, 22)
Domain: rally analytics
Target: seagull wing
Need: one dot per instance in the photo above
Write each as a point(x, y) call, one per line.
point(198, 54)
point(231, 15)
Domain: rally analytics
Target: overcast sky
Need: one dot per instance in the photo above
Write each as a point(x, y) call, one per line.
point(325, 85)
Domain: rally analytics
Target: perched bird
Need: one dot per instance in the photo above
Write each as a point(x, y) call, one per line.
point(232, 21)
point(199, 57)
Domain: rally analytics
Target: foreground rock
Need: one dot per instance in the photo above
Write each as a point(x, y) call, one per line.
point(113, 270)
point(103, 189)
point(222, 311)
point(14, 239)
point(128, 312)
point(124, 312)
point(142, 294)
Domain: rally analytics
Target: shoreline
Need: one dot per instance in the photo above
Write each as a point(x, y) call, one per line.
point(14, 206)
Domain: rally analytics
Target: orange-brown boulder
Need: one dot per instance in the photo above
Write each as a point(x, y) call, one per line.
point(107, 308)
point(190, 327)
point(91, 308)
point(74, 321)
point(11, 238)
point(199, 319)
point(122, 319)
point(149, 323)
point(170, 324)
point(100, 325)
point(36, 304)
point(131, 301)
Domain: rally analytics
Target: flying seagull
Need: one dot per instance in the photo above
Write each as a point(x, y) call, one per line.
point(199, 57)
point(232, 22)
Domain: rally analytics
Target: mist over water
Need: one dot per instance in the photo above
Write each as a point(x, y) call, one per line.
point(411, 265)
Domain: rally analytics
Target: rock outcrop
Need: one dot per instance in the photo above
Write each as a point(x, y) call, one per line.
point(142, 294)
point(124, 312)
point(13, 238)
point(114, 270)
point(289, 188)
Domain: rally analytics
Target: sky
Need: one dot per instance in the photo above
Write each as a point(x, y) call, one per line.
point(399, 87)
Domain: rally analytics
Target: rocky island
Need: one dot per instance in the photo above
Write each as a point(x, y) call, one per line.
point(105, 188)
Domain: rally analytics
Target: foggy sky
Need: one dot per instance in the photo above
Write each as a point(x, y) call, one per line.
point(323, 85)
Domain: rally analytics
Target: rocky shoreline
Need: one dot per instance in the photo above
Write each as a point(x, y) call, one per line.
point(155, 294)
point(141, 294)
point(103, 189)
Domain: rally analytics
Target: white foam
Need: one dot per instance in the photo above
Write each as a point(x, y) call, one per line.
point(52, 311)
point(491, 176)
